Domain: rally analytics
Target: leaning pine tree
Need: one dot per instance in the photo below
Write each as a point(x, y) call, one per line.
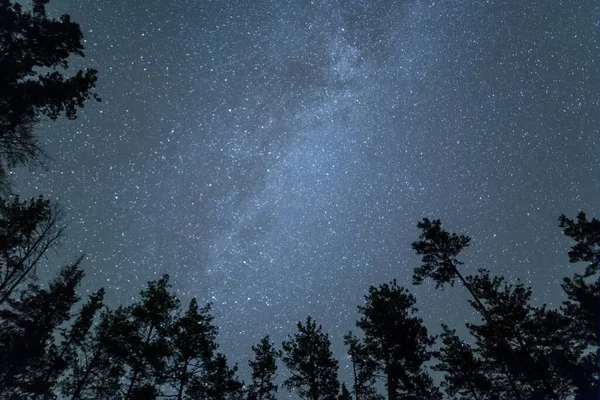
point(440, 251)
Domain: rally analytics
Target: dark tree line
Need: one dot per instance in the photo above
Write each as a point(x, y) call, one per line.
point(55, 343)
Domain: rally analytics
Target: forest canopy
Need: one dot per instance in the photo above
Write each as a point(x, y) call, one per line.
point(57, 343)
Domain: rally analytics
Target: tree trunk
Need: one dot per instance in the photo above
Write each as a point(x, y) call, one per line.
point(134, 378)
point(183, 381)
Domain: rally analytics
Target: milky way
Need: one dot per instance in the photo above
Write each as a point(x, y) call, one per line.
point(274, 157)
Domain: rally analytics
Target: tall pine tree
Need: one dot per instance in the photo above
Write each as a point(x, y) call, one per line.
point(27, 326)
point(147, 348)
point(397, 342)
point(308, 357)
point(99, 368)
point(193, 346)
point(264, 371)
point(218, 381)
point(28, 230)
point(440, 250)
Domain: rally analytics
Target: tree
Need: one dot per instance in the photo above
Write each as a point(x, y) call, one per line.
point(465, 376)
point(145, 337)
point(193, 345)
point(308, 357)
point(538, 337)
point(96, 373)
point(34, 52)
point(582, 306)
point(397, 342)
point(344, 393)
point(73, 337)
point(583, 290)
point(27, 346)
point(587, 237)
point(440, 251)
point(364, 369)
point(217, 382)
point(264, 370)
point(28, 229)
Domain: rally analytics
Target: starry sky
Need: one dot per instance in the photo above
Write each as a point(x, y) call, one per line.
point(274, 157)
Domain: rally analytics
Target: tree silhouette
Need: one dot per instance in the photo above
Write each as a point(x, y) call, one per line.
point(264, 371)
point(364, 369)
point(96, 373)
point(217, 381)
point(193, 345)
point(440, 251)
point(27, 346)
point(28, 229)
point(308, 357)
point(72, 338)
point(539, 338)
point(397, 342)
point(465, 376)
point(34, 52)
point(145, 337)
point(587, 237)
point(582, 306)
point(344, 393)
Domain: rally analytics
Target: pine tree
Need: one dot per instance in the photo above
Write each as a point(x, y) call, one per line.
point(308, 357)
point(344, 393)
point(217, 381)
point(34, 51)
point(582, 306)
point(97, 373)
point(440, 251)
point(465, 376)
point(28, 230)
point(397, 342)
point(264, 371)
point(147, 348)
point(193, 346)
point(27, 325)
point(537, 336)
point(73, 337)
point(364, 369)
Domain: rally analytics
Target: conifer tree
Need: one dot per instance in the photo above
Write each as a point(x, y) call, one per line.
point(97, 373)
point(583, 290)
point(308, 357)
point(72, 338)
point(344, 393)
point(264, 371)
point(34, 52)
point(582, 306)
point(217, 381)
point(397, 342)
point(193, 345)
point(440, 251)
point(465, 373)
point(28, 230)
point(364, 369)
point(147, 348)
point(538, 337)
point(27, 325)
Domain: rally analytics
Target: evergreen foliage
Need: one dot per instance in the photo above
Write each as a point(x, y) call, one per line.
point(396, 342)
point(30, 43)
point(308, 357)
point(51, 346)
point(264, 371)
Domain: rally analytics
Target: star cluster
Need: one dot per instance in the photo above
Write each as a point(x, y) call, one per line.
point(274, 156)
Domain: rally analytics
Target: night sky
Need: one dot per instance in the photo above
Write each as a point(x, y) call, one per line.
point(274, 157)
